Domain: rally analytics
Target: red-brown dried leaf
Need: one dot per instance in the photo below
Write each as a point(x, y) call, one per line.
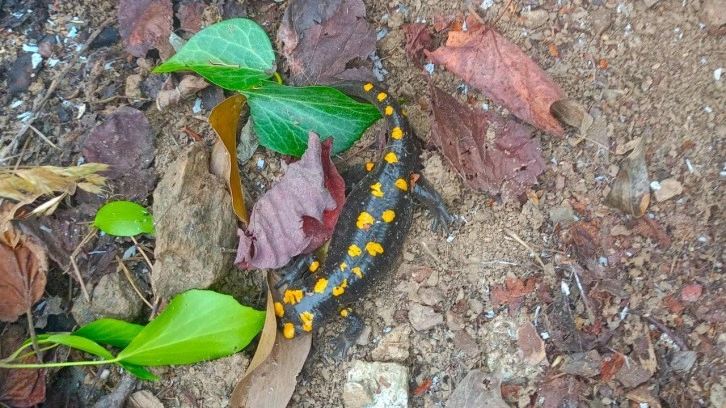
point(492, 154)
point(691, 293)
point(503, 72)
point(512, 292)
point(673, 304)
point(421, 389)
point(23, 267)
point(143, 23)
point(19, 387)
point(610, 367)
point(530, 344)
point(585, 237)
point(321, 38)
point(297, 214)
point(650, 228)
point(418, 38)
point(190, 15)
point(561, 392)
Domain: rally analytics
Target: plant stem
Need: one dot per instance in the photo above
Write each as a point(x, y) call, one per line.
point(64, 364)
point(33, 338)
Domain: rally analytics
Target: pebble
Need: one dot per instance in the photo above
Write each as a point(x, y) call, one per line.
point(562, 214)
point(376, 385)
point(394, 346)
point(535, 18)
point(669, 188)
point(423, 317)
point(683, 360)
point(144, 399)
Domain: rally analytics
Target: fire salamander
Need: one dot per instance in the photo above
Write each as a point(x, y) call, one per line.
point(369, 234)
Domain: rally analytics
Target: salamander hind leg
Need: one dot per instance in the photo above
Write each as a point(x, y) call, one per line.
point(427, 195)
point(350, 335)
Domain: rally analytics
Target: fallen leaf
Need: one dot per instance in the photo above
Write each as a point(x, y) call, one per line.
point(582, 364)
point(610, 366)
point(278, 228)
point(23, 268)
point(224, 119)
point(189, 85)
point(423, 387)
point(418, 38)
point(585, 238)
point(142, 23)
point(490, 153)
point(530, 344)
point(630, 191)
point(19, 387)
point(572, 113)
point(650, 228)
point(512, 292)
point(691, 293)
point(190, 15)
point(503, 72)
point(477, 390)
point(320, 39)
point(561, 392)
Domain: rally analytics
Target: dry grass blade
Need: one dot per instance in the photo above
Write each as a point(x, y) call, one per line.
point(27, 184)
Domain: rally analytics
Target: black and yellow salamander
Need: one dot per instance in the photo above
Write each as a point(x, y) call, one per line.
point(369, 234)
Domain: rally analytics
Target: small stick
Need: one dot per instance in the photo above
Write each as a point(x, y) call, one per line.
point(42, 136)
point(127, 273)
point(148, 262)
point(33, 338)
point(89, 235)
point(662, 327)
point(524, 244)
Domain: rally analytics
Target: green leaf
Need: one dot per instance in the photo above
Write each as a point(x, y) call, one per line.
point(284, 115)
point(81, 343)
point(117, 333)
point(138, 371)
point(197, 325)
point(124, 219)
point(234, 54)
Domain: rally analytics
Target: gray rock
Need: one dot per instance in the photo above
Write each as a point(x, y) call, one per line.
point(683, 360)
point(113, 297)
point(423, 317)
point(535, 18)
point(562, 214)
point(394, 346)
point(376, 385)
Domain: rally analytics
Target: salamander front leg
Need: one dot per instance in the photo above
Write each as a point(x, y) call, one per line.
point(296, 269)
point(351, 333)
point(427, 195)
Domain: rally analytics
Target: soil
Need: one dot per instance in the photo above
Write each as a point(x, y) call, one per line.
point(649, 68)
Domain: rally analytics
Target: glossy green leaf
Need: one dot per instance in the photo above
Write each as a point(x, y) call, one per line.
point(117, 333)
point(283, 116)
point(197, 325)
point(234, 54)
point(138, 371)
point(124, 219)
point(81, 343)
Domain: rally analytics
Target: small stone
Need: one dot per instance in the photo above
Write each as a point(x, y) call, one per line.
point(683, 360)
point(713, 14)
point(376, 385)
point(113, 297)
point(582, 364)
point(602, 19)
point(562, 214)
point(535, 18)
point(466, 344)
point(423, 317)
point(143, 399)
point(669, 188)
point(394, 346)
point(429, 296)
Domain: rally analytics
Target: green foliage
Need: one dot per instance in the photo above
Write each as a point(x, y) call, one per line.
point(124, 219)
point(236, 54)
point(197, 325)
point(283, 115)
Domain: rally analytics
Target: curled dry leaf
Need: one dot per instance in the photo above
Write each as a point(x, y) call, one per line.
point(630, 191)
point(297, 214)
point(224, 119)
point(143, 23)
point(23, 268)
point(503, 72)
point(492, 154)
point(189, 85)
point(321, 40)
point(573, 113)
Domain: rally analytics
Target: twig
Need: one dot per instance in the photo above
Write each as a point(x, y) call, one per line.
point(526, 245)
point(91, 233)
point(33, 337)
point(127, 273)
point(585, 300)
point(148, 262)
point(662, 327)
point(42, 136)
point(54, 84)
point(118, 396)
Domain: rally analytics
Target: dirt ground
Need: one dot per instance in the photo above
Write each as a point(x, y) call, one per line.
point(649, 69)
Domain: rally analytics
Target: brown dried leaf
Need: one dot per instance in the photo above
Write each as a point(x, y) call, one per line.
point(585, 237)
point(19, 387)
point(609, 367)
point(143, 23)
point(418, 38)
point(499, 68)
point(189, 85)
point(23, 270)
point(573, 113)
point(190, 15)
point(490, 153)
point(512, 293)
point(321, 38)
point(477, 390)
point(530, 344)
point(630, 191)
point(224, 119)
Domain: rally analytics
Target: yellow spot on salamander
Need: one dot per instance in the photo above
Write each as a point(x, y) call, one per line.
point(345, 312)
point(391, 158)
point(381, 96)
point(388, 215)
point(320, 285)
point(402, 184)
point(279, 311)
point(288, 330)
point(376, 190)
point(356, 270)
point(367, 87)
point(397, 133)
point(403, 112)
point(354, 250)
point(307, 321)
point(343, 266)
point(292, 296)
point(374, 248)
point(339, 290)
point(314, 266)
point(365, 219)
point(388, 111)
point(370, 166)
